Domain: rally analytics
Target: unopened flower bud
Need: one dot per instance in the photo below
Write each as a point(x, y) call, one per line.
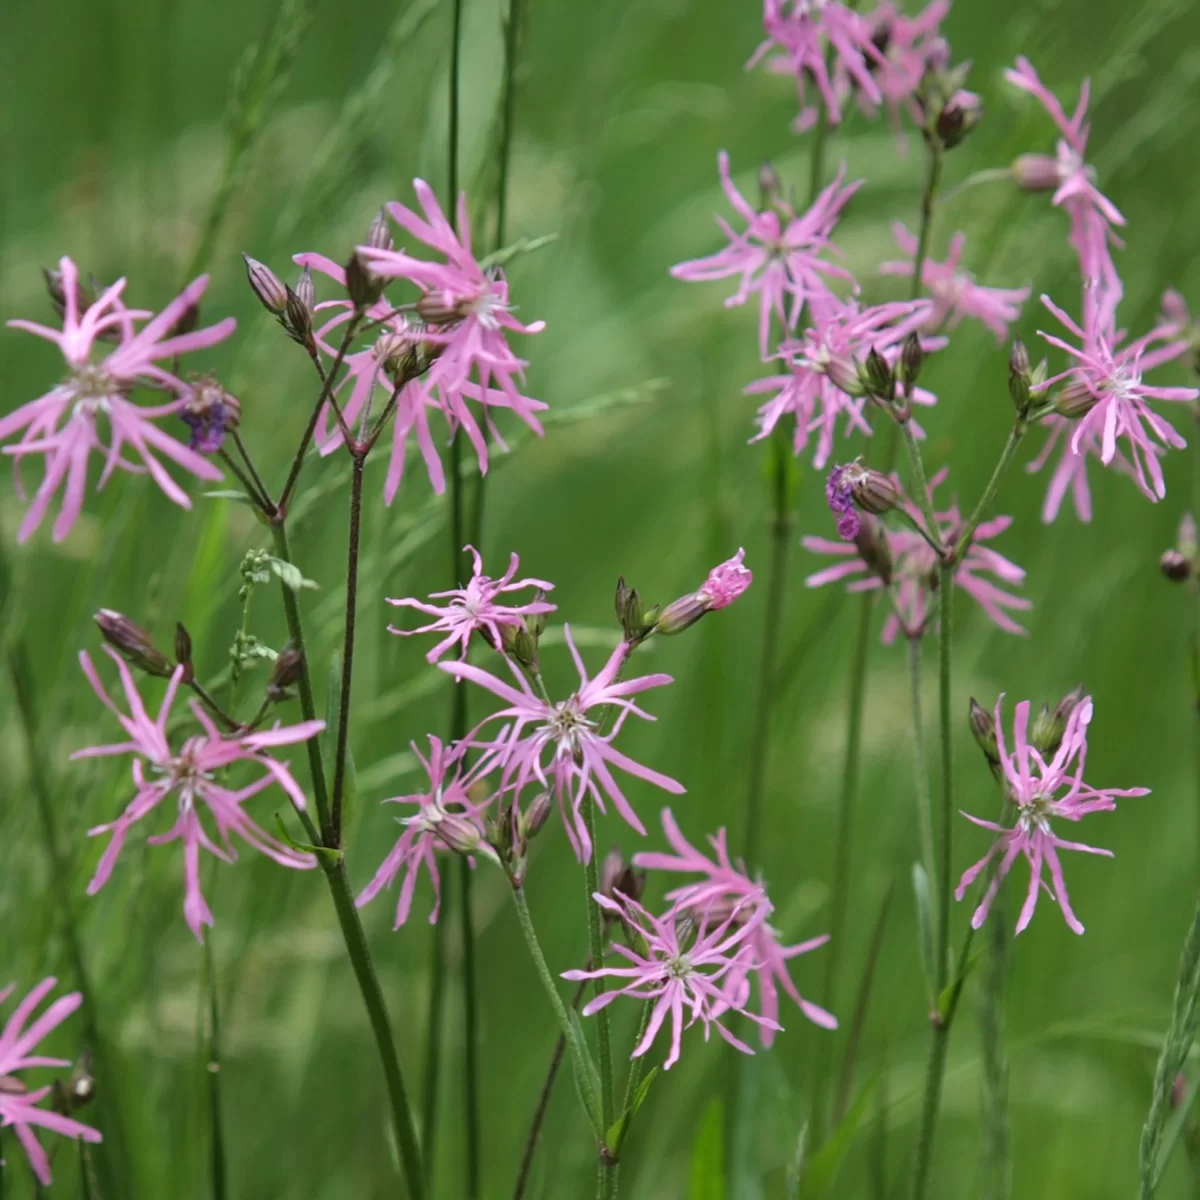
point(959, 116)
point(536, 815)
point(210, 412)
point(462, 836)
point(873, 491)
point(616, 875)
point(983, 729)
point(880, 378)
point(912, 359)
point(183, 651)
point(1035, 172)
point(770, 190)
point(1051, 724)
point(872, 545)
point(1075, 400)
point(519, 644)
point(81, 1086)
point(843, 373)
point(379, 236)
point(271, 291)
point(937, 55)
point(58, 294)
point(297, 321)
point(436, 308)
point(1019, 376)
point(1175, 566)
point(306, 291)
point(363, 285)
point(535, 622)
point(132, 643)
point(288, 667)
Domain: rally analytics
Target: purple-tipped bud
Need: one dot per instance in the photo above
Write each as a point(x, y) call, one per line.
point(379, 236)
point(132, 643)
point(210, 412)
point(271, 291)
point(363, 285)
point(1075, 400)
point(1035, 172)
point(287, 670)
point(878, 376)
point(872, 545)
point(912, 359)
point(1175, 566)
point(297, 320)
point(983, 729)
point(1020, 377)
point(725, 583)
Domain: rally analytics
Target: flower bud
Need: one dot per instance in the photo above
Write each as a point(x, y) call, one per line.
point(879, 377)
point(1175, 566)
point(1019, 377)
point(183, 651)
point(843, 373)
point(937, 55)
point(983, 729)
point(1035, 172)
point(210, 412)
point(535, 816)
point(912, 359)
point(519, 644)
point(288, 667)
point(435, 308)
point(58, 293)
point(462, 836)
point(1051, 724)
point(305, 291)
point(959, 116)
point(271, 291)
point(873, 491)
point(535, 622)
point(132, 643)
point(297, 321)
point(637, 623)
point(872, 545)
point(379, 236)
point(725, 583)
point(1075, 400)
point(611, 870)
point(363, 285)
point(770, 189)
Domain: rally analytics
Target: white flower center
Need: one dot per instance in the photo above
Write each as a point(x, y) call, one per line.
point(1035, 815)
point(1125, 384)
point(485, 306)
point(568, 726)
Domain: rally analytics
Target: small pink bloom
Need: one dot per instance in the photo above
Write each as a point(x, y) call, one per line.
point(1091, 213)
point(559, 742)
point(1111, 375)
point(915, 564)
point(476, 607)
point(190, 776)
point(1031, 784)
point(724, 887)
point(777, 255)
point(64, 425)
point(687, 964)
point(444, 819)
point(726, 582)
point(822, 383)
point(18, 1103)
point(954, 292)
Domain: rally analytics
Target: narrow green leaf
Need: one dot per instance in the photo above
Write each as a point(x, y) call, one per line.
point(924, 926)
point(946, 998)
point(505, 255)
point(587, 1077)
point(708, 1156)
point(324, 853)
point(795, 1175)
point(823, 1167)
point(229, 494)
point(616, 1135)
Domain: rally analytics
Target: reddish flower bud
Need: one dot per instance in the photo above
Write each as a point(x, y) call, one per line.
point(1035, 172)
point(133, 643)
point(271, 291)
point(1175, 566)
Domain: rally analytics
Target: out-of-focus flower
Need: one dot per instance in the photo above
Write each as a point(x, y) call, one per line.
point(210, 412)
point(560, 742)
point(445, 819)
point(802, 35)
point(778, 255)
point(1091, 213)
point(724, 887)
point(839, 495)
point(190, 776)
point(65, 424)
point(1108, 393)
point(682, 965)
point(476, 607)
point(914, 569)
point(1032, 784)
point(954, 292)
point(824, 382)
point(725, 583)
point(18, 1102)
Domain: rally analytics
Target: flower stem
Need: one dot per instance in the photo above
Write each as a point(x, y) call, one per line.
point(596, 952)
point(920, 762)
point(996, 1164)
point(334, 869)
point(933, 179)
point(636, 1066)
point(963, 543)
point(213, 1068)
point(512, 43)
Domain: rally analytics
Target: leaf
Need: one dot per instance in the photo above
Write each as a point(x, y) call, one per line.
point(229, 494)
point(323, 853)
point(505, 255)
point(795, 1175)
point(823, 1168)
point(708, 1156)
point(290, 574)
point(949, 994)
point(587, 1078)
point(616, 1135)
point(924, 926)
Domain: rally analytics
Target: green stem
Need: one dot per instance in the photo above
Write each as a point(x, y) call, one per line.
point(596, 951)
point(636, 1067)
point(213, 1068)
point(935, 1071)
point(996, 1161)
point(435, 1007)
point(933, 179)
point(963, 543)
point(921, 484)
point(920, 762)
point(512, 42)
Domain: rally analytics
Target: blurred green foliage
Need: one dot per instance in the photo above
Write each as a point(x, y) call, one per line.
point(114, 144)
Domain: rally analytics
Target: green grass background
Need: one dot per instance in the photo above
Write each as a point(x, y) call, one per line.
point(113, 139)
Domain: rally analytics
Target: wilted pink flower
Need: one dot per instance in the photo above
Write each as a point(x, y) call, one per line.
point(954, 292)
point(562, 741)
point(914, 566)
point(686, 963)
point(802, 34)
point(725, 583)
point(778, 254)
point(823, 382)
point(1092, 214)
point(1109, 392)
point(63, 424)
point(476, 607)
point(1031, 783)
point(18, 1104)
point(724, 887)
point(840, 498)
point(190, 776)
point(445, 819)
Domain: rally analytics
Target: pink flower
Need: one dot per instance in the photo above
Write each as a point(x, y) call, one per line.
point(685, 964)
point(1091, 213)
point(954, 292)
point(1031, 783)
point(562, 741)
point(62, 425)
point(19, 1105)
point(189, 775)
point(840, 498)
point(823, 381)
point(476, 607)
point(1105, 387)
point(804, 33)
point(445, 819)
point(914, 565)
point(723, 889)
point(778, 254)
point(725, 583)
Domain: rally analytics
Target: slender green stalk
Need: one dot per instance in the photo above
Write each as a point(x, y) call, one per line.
point(933, 179)
point(920, 761)
point(1195, 585)
point(213, 1068)
point(512, 44)
point(963, 544)
point(946, 862)
point(434, 1009)
point(916, 465)
point(996, 1165)
point(935, 1071)
point(470, 1030)
point(596, 952)
point(636, 1067)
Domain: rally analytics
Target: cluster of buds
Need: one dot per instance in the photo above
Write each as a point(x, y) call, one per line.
point(1045, 735)
point(877, 378)
point(951, 112)
point(637, 622)
point(1179, 563)
point(853, 488)
point(618, 877)
point(520, 639)
point(292, 307)
point(509, 833)
point(210, 412)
